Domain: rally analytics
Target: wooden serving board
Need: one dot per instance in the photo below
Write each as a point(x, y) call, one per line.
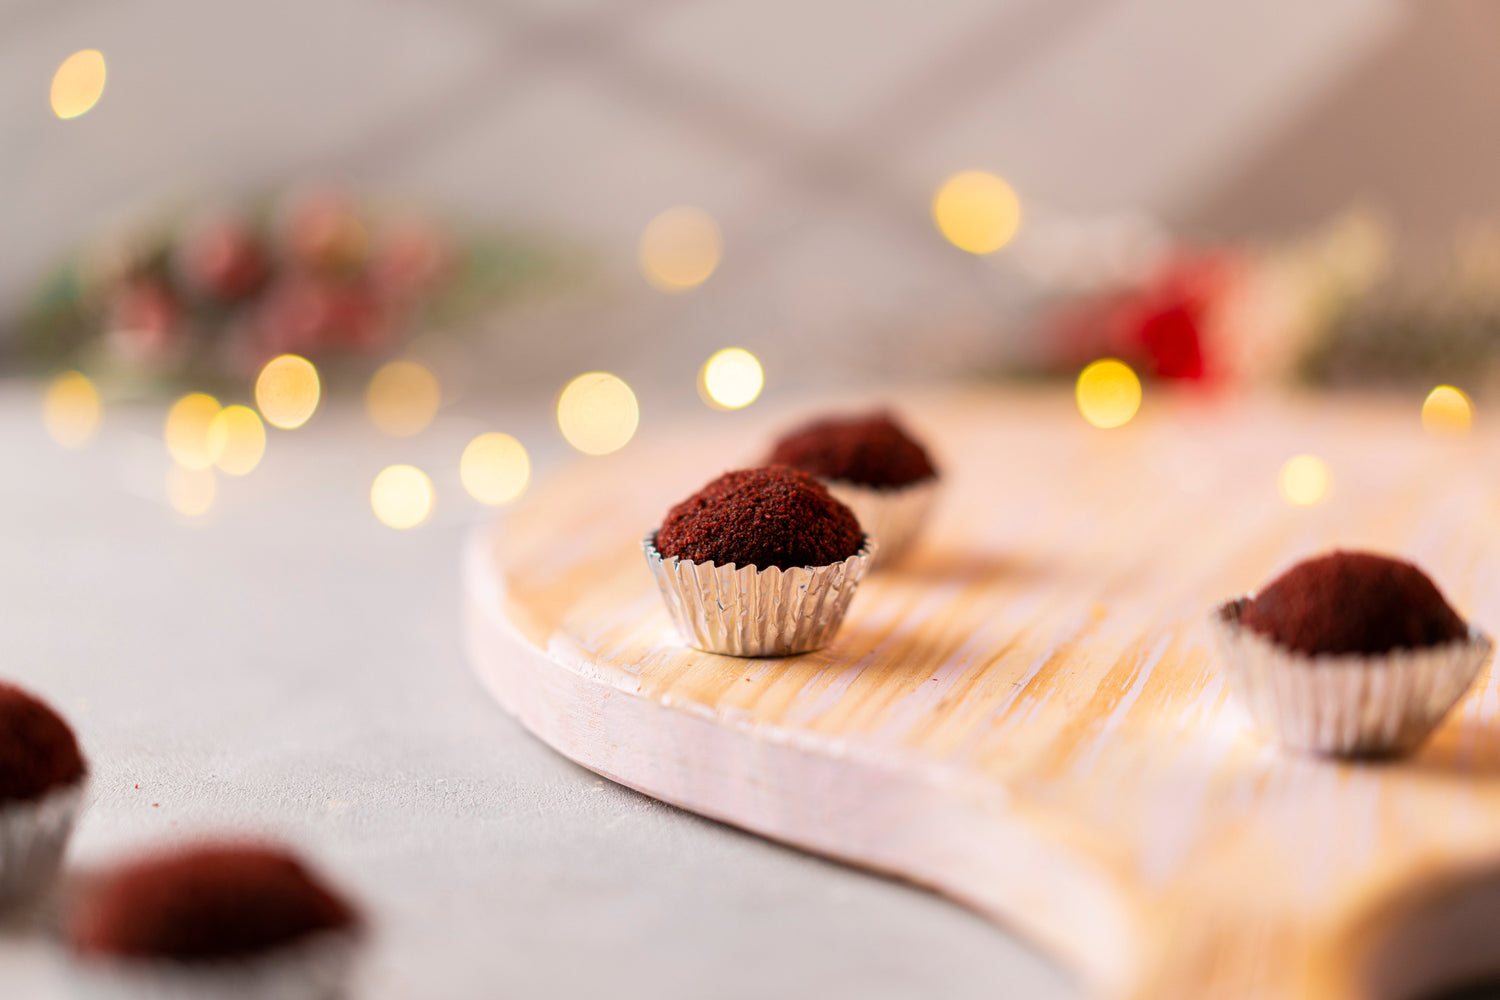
point(1028, 715)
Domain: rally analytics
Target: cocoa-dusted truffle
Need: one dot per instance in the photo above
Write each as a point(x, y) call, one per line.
point(772, 516)
point(871, 450)
point(38, 751)
point(206, 903)
point(1353, 602)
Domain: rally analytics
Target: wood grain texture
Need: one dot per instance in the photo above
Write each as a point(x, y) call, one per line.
point(1027, 714)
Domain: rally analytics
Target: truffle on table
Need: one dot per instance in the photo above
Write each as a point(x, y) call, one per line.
point(870, 450)
point(42, 774)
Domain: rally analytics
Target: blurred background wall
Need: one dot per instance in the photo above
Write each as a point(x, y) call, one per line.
point(814, 131)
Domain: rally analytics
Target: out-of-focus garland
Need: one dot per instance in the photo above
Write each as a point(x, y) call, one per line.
point(1326, 310)
point(208, 297)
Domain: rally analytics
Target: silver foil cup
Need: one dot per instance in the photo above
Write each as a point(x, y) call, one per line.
point(318, 968)
point(1346, 705)
point(745, 611)
point(33, 836)
point(893, 516)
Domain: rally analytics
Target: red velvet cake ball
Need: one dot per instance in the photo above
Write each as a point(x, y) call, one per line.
point(208, 903)
point(38, 752)
point(1353, 602)
point(871, 450)
point(772, 516)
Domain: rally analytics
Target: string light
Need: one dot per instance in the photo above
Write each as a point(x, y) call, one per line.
point(731, 379)
point(401, 496)
point(71, 409)
point(78, 83)
point(1447, 410)
point(236, 440)
point(495, 468)
point(1109, 393)
point(977, 211)
point(402, 398)
point(186, 430)
point(287, 391)
point(597, 413)
point(680, 248)
point(1304, 480)
point(190, 492)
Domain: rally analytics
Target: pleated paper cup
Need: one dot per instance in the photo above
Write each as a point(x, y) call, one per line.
point(745, 611)
point(893, 515)
point(1348, 704)
point(318, 968)
point(33, 836)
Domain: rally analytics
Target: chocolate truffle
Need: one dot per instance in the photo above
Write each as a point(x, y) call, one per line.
point(772, 516)
point(871, 450)
point(208, 903)
point(38, 752)
point(1353, 602)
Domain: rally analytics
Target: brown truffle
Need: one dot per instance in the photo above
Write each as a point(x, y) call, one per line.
point(206, 903)
point(1353, 602)
point(37, 749)
point(871, 450)
point(766, 517)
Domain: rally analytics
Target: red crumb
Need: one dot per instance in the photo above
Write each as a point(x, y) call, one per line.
point(766, 517)
point(1353, 602)
point(871, 450)
point(205, 903)
point(38, 751)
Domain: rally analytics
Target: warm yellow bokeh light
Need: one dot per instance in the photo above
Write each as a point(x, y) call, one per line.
point(597, 413)
point(680, 248)
point(1447, 411)
point(1109, 393)
point(401, 496)
point(71, 409)
point(236, 440)
point(1304, 480)
point(495, 468)
point(287, 391)
point(190, 491)
point(976, 211)
point(730, 379)
point(186, 430)
point(78, 83)
point(402, 398)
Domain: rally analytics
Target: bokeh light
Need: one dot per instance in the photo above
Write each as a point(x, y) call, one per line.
point(495, 468)
point(190, 492)
point(732, 378)
point(977, 211)
point(1447, 410)
point(70, 409)
point(402, 398)
point(78, 83)
point(401, 496)
point(1304, 480)
point(287, 391)
point(1109, 393)
point(680, 248)
point(236, 440)
point(597, 413)
point(186, 430)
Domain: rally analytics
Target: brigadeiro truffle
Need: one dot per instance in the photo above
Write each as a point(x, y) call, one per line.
point(1350, 653)
point(760, 562)
point(871, 463)
point(214, 920)
point(41, 786)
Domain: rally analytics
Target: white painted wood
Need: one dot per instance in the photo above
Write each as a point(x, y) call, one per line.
point(1027, 715)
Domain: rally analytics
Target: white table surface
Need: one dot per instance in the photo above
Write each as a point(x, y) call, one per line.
point(290, 667)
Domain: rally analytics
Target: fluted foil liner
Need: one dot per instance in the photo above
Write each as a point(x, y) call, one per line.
point(893, 516)
point(1346, 705)
point(33, 837)
point(318, 968)
point(745, 611)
